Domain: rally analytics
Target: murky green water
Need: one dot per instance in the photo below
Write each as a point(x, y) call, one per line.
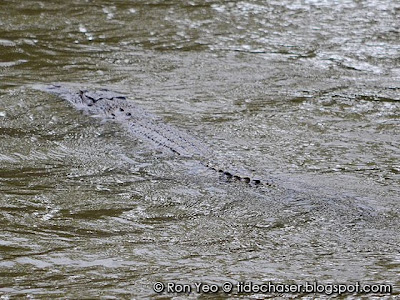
point(305, 93)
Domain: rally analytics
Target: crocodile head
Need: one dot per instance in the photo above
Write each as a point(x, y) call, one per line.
point(91, 97)
point(77, 97)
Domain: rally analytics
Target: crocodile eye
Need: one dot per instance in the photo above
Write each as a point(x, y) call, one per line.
point(257, 181)
point(236, 177)
point(128, 114)
point(246, 179)
point(229, 175)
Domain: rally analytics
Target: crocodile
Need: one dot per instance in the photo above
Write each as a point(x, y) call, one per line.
point(115, 106)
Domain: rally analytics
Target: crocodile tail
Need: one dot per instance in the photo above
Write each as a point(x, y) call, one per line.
point(234, 175)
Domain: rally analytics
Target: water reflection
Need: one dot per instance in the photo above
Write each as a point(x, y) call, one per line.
point(304, 93)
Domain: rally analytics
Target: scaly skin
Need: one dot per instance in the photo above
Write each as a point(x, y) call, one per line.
point(114, 106)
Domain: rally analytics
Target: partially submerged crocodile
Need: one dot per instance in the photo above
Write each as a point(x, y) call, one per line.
point(115, 106)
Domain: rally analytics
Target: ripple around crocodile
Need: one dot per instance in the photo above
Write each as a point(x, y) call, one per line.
point(114, 106)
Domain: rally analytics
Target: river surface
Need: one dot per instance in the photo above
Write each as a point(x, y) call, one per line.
point(305, 94)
